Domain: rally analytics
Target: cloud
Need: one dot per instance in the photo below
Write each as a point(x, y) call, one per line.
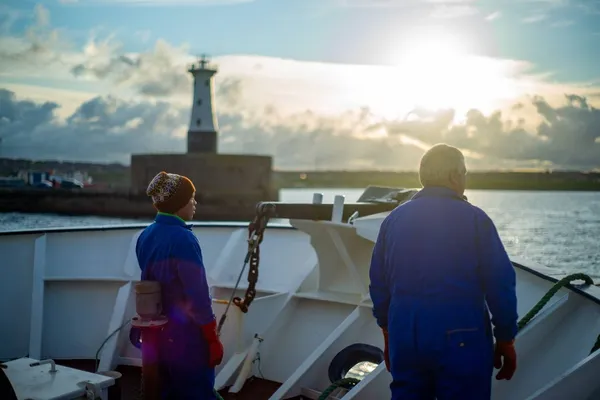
point(448, 11)
point(493, 16)
point(159, 2)
point(101, 129)
point(567, 135)
point(305, 114)
point(562, 23)
point(108, 129)
point(534, 18)
point(437, 9)
point(40, 46)
point(153, 73)
point(400, 3)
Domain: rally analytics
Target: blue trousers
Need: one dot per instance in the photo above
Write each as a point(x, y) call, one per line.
point(181, 382)
point(443, 353)
point(183, 365)
point(427, 385)
point(461, 370)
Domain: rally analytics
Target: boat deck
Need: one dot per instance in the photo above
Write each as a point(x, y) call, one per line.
point(129, 383)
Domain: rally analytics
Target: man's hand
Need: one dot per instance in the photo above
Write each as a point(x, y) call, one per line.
point(505, 357)
point(215, 347)
point(386, 352)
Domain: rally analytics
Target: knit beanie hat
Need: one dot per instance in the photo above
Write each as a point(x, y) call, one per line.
point(170, 192)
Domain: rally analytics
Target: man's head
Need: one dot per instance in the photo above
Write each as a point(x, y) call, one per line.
point(173, 194)
point(443, 165)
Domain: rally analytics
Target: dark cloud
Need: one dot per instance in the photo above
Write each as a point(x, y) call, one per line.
point(109, 129)
point(18, 118)
point(101, 129)
point(568, 136)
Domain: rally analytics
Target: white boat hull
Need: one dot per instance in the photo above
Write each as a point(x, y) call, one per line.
point(65, 291)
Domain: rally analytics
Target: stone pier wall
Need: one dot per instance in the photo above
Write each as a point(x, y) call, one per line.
point(212, 174)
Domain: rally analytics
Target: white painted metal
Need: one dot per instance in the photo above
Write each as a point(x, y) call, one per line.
point(246, 370)
point(338, 208)
point(37, 297)
point(48, 381)
point(203, 118)
point(66, 291)
point(317, 198)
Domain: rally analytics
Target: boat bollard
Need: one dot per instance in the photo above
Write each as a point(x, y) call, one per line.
point(338, 208)
point(317, 198)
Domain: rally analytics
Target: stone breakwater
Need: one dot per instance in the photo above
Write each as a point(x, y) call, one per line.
point(125, 204)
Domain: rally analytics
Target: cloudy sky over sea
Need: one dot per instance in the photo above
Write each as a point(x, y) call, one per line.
point(315, 83)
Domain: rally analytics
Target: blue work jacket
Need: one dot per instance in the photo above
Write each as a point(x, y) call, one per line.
point(169, 252)
point(437, 266)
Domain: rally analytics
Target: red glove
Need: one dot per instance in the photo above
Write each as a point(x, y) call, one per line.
point(505, 357)
point(215, 347)
point(386, 352)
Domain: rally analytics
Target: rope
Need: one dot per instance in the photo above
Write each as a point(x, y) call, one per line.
point(97, 359)
point(555, 288)
point(346, 383)
point(544, 300)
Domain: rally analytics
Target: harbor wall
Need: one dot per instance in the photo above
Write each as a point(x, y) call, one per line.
point(228, 187)
point(211, 173)
point(125, 204)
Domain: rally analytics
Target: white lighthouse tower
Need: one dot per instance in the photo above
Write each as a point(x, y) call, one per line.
point(202, 134)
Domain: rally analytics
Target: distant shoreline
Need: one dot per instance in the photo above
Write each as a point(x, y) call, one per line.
point(534, 181)
point(511, 189)
point(117, 176)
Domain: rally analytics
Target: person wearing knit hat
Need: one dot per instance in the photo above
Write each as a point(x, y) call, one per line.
point(173, 194)
point(168, 252)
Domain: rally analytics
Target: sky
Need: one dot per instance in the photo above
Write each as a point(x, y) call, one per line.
point(317, 84)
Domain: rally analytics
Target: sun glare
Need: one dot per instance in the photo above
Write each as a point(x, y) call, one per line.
point(435, 69)
point(434, 49)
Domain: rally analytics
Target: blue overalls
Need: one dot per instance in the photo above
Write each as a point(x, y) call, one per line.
point(168, 252)
point(436, 262)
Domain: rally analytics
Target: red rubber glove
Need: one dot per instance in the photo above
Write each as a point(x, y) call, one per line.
point(505, 357)
point(386, 352)
point(215, 347)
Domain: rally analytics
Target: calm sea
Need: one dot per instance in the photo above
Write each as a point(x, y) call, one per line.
point(558, 229)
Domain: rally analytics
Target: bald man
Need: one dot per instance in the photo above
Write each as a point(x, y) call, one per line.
point(437, 267)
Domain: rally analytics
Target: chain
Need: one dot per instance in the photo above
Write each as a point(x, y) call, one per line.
point(256, 231)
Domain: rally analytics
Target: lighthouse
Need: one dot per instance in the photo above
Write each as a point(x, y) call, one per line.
point(234, 181)
point(202, 133)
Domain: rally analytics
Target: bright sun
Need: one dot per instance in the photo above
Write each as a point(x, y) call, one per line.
point(435, 70)
point(432, 50)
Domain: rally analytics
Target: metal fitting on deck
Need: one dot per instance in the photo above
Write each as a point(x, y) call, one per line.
point(47, 361)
